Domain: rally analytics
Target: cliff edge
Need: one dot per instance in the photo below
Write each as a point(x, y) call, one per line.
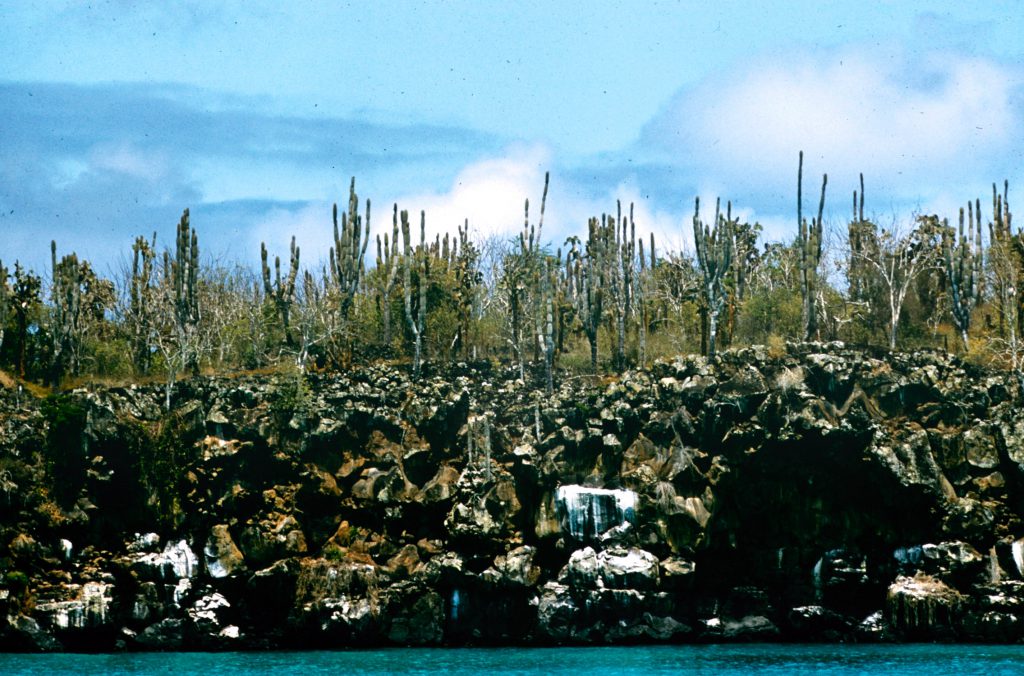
point(820, 494)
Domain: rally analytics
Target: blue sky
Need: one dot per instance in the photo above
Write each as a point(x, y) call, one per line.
point(118, 114)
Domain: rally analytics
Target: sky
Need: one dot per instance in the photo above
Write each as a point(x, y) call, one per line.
point(116, 115)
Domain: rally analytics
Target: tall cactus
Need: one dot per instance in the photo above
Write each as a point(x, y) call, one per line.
point(419, 259)
point(281, 291)
point(25, 299)
point(520, 278)
point(346, 256)
point(66, 296)
point(546, 289)
point(5, 302)
point(467, 282)
point(960, 256)
point(809, 242)
point(645, 282)
point(714, 256)
point(387, 270)
point(543, 283)
point(588, 271)
point(181, 282)
point(141, 302)
point(862, 237)
point(1006, 271)
point(623, 279)
point(184, 271)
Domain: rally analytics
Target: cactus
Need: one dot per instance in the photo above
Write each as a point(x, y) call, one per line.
point(25, 299)
point(181, 282)
point(141, 302)
point(588, 270)
point(417, 320)
point(546, 287)
point(862, 237)
point(809, 243)
point(1007, 271)
point(5, 302)
point(467, 281)
point(387, 270)
point(960, 255)
point(623, 279)
point(346, 256)
point(282, 292)
point(521, 277)
point(714, 256)
point(534, 277)
point(644, 283)
point(66, 295)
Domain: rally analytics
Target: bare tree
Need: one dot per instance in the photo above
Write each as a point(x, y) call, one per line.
point(176, 333)
point(895, 258)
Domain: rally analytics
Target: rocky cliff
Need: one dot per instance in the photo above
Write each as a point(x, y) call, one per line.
point(820, 494)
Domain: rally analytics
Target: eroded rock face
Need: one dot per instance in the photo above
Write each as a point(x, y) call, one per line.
point(818, 494)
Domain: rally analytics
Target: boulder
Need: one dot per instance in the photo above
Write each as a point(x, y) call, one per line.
point(221, 556)
point(923, 608)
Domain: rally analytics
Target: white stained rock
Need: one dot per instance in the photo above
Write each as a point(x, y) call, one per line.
point(146, 542)
point(90, 608)
point(1017, 551)
point(177, 561)
point(180, 590)
point(230, 631)
point(181, 559)
point(590, 512)
point(203, 612)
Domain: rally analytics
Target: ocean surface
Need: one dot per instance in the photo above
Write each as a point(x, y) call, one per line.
point(827, 660)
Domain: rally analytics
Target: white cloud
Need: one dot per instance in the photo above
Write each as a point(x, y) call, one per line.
point(491, 194)
point(124, 158)
point(921, 127)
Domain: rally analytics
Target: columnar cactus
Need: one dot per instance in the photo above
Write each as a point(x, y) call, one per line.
point(281, 291)
point(66, 295)
point(959, 254)
point(546, 287)
point(141, 302)
point(346, 256)
point(419, 259)
point(645, 280)
point(623, 279)
point(387, 270)
point(531, 261)
point(181, 285)
point(809, 243)
point(588, 270)
point(714, 256)
point(184, 275)
point(5, 302)
point(863, 242)
point(520, 278)
point(1006, 271)
point(467, 282)
point(25, 299)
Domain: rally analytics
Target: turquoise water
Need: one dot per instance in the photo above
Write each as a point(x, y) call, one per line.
point(827, 660)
